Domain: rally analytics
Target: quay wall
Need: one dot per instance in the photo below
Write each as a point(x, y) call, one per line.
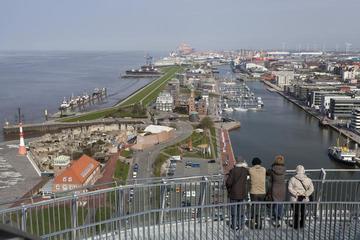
point(57, 126)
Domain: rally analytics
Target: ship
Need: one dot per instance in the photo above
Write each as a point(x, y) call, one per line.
point(145, 71)
point(343, 155)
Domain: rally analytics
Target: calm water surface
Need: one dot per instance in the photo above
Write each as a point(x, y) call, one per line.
point(36, 81)
point(282, 128)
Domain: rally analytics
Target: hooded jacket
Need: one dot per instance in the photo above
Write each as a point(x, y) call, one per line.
point(236, 182)
point(277, 180)
point(297, 189)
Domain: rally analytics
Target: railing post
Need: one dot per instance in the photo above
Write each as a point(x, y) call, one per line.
point(322, 177)
point(162, 200)
point(203, 186)
point(120, 207)
point(23, 217)
point(74, 214)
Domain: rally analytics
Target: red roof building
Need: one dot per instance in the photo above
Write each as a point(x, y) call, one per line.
point(82, 172)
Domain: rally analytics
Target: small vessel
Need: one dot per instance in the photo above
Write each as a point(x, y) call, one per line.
point(343, 155)
point(64, 104)
point(260, 101)
point(240, 109)
point(228, 109)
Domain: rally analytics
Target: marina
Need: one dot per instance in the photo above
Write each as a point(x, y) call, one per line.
point(82, 100)
point(237, 96)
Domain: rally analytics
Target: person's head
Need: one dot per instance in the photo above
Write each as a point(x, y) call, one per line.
point(300, 169)
point(279, 160)
point(256, 161)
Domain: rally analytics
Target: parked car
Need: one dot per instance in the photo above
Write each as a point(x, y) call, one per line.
point(195, 165)
point(136, 167)
point(212, 161)
point(188, 164)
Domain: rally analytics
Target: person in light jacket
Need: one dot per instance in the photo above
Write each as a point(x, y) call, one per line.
point(257, 191)
point(300, 188)
point(236, 185)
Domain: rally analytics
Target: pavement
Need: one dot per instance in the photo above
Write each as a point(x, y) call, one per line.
point(17, 175)
point(146, 158)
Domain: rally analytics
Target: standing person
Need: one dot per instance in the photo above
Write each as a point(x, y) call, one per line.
point(278, 187)
point(236, 185)
point(300, 188)
point(257, 190)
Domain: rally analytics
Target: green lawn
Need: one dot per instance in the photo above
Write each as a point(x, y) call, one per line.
point(145, 96)
point(121, 171)
point(127, 153)
point(150, 92)
point(214, 141)
point(159, 161)
point(43, 220)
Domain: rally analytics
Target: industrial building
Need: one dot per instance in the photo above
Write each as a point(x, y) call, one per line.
point(343, 108)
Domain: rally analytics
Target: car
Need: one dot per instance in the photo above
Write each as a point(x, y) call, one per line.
point(134, 174)
point(195, 165)
point(136, 167)
point(212, 161)
point(188, 164)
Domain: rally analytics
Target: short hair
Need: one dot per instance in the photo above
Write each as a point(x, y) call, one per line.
point(256, 161)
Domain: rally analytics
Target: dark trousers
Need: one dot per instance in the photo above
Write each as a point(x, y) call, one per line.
point(299, 215)
point(256, 209)
point(237, 213)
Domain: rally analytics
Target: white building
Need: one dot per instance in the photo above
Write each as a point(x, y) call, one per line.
point(348, 75)
point(165, 102)
point(284, 78)
point(355, 120)
point(325, 101)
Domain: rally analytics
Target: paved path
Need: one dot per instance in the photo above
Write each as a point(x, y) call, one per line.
point(17, 175)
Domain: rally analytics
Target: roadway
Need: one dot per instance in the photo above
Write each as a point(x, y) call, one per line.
point(146, 158)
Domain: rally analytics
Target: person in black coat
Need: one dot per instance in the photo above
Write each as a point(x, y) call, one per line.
point(236, 185)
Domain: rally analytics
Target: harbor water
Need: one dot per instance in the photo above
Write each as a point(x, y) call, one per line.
point(35, 81)
point(282, 128)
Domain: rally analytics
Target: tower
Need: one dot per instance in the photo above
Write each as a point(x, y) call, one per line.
point(22, 149)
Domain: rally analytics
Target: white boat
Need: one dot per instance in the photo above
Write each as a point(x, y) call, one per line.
point(64, 104)
point(228, 109)
point(240, 109)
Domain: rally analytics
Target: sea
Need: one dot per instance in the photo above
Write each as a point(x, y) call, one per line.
point(37, 80)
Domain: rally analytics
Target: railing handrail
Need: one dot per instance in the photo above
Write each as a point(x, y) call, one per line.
point(219, 205)
point(164, 182)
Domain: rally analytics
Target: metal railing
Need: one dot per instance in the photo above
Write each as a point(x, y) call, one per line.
point(77, 211)
point(244, 220)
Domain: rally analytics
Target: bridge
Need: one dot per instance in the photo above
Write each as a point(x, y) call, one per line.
point(188, 208)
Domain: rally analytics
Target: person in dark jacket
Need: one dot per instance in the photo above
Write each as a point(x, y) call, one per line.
point(278, 187)
point(236, 185)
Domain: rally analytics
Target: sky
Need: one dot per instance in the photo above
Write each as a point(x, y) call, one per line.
point(164, 24)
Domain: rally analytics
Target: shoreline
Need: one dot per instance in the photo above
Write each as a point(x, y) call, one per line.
point(346, 133)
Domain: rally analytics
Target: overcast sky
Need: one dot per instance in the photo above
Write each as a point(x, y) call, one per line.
point(163, 24)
